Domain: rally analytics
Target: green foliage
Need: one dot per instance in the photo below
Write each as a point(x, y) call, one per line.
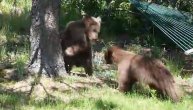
point(183, 5)
point(16, 18)
point(118, 12)
point(69, 12)
point(9, 100)
point(20, 64)
point(175, 64)
point(15, 23)
point(14, 34)
point(114, 10)
point(93, 7)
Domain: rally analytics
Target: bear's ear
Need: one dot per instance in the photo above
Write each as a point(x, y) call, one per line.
point(87, 20)
point(98, 19)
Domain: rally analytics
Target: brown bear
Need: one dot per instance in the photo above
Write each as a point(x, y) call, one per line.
point(143, 69)
point(76, 42)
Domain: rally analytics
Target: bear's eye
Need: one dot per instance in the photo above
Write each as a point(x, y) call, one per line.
point(94, 30)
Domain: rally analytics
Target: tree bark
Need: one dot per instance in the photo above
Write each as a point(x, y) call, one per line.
point(46, 53)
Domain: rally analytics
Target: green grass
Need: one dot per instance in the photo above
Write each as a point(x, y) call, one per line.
point(175, 66)
point(14, 31)
point(20, 64)
point(105, 97)
point(95, 98)
point(11, 100)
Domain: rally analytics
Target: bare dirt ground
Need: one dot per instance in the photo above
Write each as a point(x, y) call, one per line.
point(43, 87)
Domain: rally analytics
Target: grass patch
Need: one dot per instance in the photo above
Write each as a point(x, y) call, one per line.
point(20, 64)
point(11, 100)
point(118, 101)
point(94, 98)
point(175, 66)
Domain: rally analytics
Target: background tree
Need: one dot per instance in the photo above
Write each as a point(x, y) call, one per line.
point(46, 53)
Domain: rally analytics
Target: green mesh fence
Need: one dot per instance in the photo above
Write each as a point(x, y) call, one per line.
point(176, 25)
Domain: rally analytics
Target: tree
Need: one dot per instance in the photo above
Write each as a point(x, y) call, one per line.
point(46, 53)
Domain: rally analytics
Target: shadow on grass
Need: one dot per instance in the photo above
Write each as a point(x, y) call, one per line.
point(47, 101)
point(137, 89)
point(96, 104)
point(11, 100)
point(104, 105)
point(109, 82)
point(145, 92)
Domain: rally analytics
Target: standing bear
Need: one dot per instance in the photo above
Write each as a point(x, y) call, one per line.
point(76, 42)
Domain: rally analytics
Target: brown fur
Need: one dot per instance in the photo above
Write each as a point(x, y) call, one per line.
point(76, 42)
point(136, 68)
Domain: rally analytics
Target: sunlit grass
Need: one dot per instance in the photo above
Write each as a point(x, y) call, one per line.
point(9, 100)
point(99, 99)
point(20, 64)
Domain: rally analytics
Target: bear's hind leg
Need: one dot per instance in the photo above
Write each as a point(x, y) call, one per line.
point(68, 68)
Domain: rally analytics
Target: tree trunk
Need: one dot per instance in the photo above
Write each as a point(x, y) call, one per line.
point(46, 53)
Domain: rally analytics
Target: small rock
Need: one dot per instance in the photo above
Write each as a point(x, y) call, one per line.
point(11, 74)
